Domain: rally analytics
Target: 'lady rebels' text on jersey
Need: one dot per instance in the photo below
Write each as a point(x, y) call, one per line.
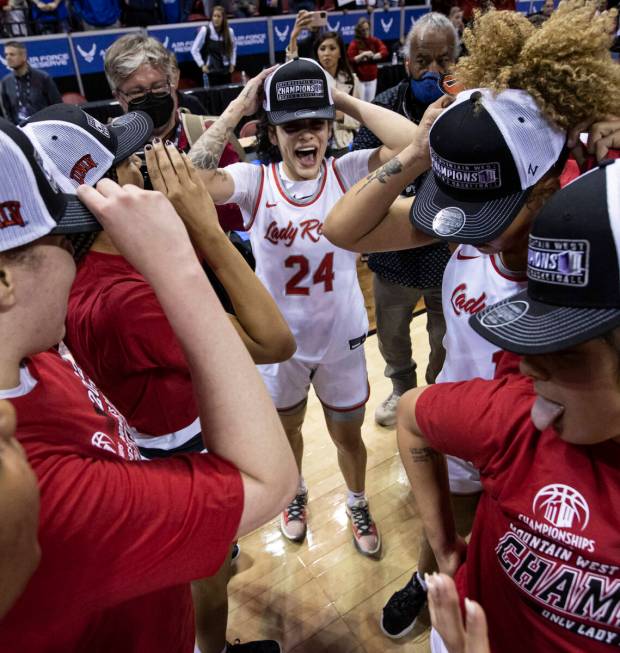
point(471, 281)
point(313, 282)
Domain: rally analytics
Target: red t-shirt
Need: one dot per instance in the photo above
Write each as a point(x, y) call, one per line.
point(367, 70)
point(545, 547)
point(119, 334)
point(120, 538)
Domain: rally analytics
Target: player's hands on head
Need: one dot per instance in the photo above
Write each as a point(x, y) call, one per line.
point(251, 97)
point(433, 111)
point(443, 605)
point(143, 226)
point(174, 175)
point(602, 136)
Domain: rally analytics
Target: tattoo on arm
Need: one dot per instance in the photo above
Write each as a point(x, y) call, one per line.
point(424, 455)
point(391, 168)
point(207, 150)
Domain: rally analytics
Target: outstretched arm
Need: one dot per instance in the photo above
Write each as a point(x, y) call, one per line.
point(428, 474)
point(257, 319)
point(207, 150)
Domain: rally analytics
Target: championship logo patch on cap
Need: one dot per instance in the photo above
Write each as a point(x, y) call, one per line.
point(472, 176)
point(558, 261)
point(504, 314)
point(300, 89)
point(448, 221)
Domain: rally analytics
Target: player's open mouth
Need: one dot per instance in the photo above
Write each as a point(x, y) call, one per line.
point(307, 155)
point(545, 413)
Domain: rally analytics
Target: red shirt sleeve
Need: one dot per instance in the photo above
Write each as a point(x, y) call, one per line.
point(353, 50)
point(379, 46)
point(132, 528)
point(473, 419)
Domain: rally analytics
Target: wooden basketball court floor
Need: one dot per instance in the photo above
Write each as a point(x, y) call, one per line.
point(321, 595)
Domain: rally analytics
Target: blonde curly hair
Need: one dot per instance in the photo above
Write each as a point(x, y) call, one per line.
point(565, 65)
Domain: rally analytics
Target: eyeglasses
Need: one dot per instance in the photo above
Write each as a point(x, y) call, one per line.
point(139, 96)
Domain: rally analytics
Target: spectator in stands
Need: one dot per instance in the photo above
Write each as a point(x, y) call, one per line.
point(269, 7)
point(26, 90)
point(330, 52)
point(364, 52)
point(141, 13)
point(50, 16)
point(215, 49)
point(14, 18)
point(402, 278)
point(295, 6)
point(303, 47)
point(19, 507)
point(97, 14)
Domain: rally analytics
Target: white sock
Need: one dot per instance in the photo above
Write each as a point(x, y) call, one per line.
point(421, 581)
point(354, 497)
point(301, 488)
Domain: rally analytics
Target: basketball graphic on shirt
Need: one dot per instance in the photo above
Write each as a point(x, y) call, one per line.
point(562, 506)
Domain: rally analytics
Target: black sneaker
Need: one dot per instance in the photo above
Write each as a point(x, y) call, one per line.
point(401, 611)
point(235, 553)
point(262, 646)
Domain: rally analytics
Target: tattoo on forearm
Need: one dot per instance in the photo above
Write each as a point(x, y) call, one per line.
point(207, 150)
point(391, 168)
point(424, 455)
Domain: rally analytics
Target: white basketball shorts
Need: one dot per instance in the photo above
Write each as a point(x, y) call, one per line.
point(341, 385)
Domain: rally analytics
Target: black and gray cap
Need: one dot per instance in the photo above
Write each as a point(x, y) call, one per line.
point(573, 292)
point(32, 205)
point(298, 90)
point(487, 153)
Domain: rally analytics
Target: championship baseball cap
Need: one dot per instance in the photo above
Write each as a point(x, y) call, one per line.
point(573, 290)
point(32, 204)
point(78, 149)
point(297, 90)
point(487, 152)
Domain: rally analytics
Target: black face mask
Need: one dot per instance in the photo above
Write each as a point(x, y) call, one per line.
point(159, 108)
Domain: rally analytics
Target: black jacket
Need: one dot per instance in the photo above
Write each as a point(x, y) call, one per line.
point(39, 93)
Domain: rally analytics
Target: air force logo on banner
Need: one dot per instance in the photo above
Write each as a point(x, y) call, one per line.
point(335, 27)
point(166, 42)
point(559, 261)
point(88, 55)
point(282, 34)
point(3, 62)
point(386, 25)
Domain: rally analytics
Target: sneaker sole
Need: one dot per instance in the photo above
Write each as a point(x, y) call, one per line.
point(299, 538)
point(402, 633)
point(385, 422)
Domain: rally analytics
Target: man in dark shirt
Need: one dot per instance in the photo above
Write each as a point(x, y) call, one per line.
point(402, 278)
point(26, 90)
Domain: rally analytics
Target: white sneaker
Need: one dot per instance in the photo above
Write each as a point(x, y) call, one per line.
point(385, 414)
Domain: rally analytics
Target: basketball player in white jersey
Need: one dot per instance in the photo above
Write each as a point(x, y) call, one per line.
point(313, 282)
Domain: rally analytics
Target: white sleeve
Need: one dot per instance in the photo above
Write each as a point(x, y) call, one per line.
point(199, 41)
point(233, 58)
point(352, 167)
point(248, 181)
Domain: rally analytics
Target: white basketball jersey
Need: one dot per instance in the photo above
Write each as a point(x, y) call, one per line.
point(471, 282)
point(313, 282)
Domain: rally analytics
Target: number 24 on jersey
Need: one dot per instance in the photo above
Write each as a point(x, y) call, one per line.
point(324, 274)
